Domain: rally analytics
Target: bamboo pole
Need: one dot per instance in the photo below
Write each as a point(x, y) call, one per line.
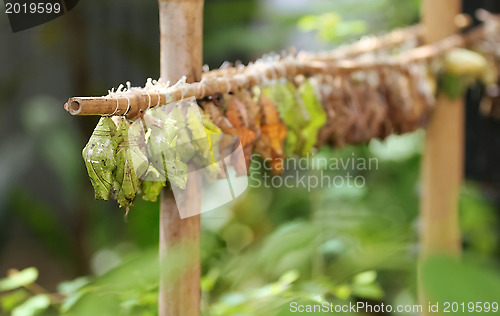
point(443, 157)
point(134, 102)
point(181, 28)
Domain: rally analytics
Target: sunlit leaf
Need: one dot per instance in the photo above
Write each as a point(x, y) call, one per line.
point(449, 280)
point(71, 287)
point(19, 279)
point(32, 306)
point(10, 300)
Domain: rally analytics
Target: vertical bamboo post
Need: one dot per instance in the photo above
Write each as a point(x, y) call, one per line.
point(181, 28)
point(443, 157)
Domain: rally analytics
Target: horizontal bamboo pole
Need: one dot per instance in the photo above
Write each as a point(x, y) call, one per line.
point(365, 45)
point(369, 44)
point(134, 102)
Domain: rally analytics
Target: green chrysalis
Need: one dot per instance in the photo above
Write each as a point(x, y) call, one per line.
point(317, 117)
point(131, 163)
point(99, 157)
point(293, 113)
point(169, 158)
point(152, 185)
point(206, 137)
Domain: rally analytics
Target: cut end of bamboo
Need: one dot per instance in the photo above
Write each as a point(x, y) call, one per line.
point(73, 106)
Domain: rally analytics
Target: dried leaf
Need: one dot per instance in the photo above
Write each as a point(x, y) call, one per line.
point(252, 108)
point(254, 123)
point(331, 98)
point(218, 118)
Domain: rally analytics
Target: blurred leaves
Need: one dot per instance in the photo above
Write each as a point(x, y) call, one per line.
point(450, 280)
point(33, 306)
point(19, 302)
point(478, 222)
point(42, 221)
point(19, 279)
point(15, 156)
point(330, 26)
point(9, 301)
point(129, 289)
point(55, 138)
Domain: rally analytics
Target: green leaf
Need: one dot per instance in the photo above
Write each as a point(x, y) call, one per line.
point(32, 306)
point(307, 23)
point(71, 287)
point(370, 291)
point(366, 277)
point(449, 280)
point(11, 300)
point(71, 300)
point(454, 86)
point(23, 278)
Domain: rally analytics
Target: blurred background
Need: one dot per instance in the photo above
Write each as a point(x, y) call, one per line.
point(268, 248)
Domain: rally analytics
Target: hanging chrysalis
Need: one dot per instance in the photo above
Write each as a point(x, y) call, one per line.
point(292, 112)
point(215, 115)
point(206, 137)
point(199, 135)
point(152, 185)
point(182, 140)
point(317, 116)
point(163, 151)
point(254, 118)
point(131, 162)
point(237, 115)
point(396, 87)
point(99, 157)
point(252, 108)
point(332, 99)
point(214, 135)
point(270, 144)
point(461, 67)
